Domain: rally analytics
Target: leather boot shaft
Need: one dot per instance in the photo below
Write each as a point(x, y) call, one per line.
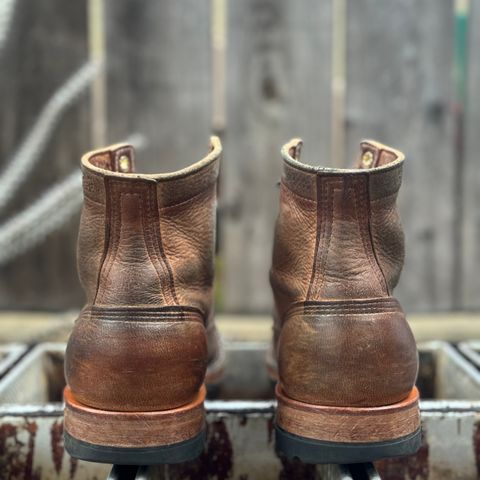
point(340, 337)
point(146, 263)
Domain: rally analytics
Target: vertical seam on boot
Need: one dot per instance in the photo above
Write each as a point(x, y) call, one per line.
point(363, 219)
point(153, 203)
point(329, 220)
point(366, 194)
point(318, 233)
point(150, 241)
point(108, 214)
point(324, 215)
point(106, 239)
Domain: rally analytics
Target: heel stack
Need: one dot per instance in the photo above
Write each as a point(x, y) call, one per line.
point(325, 434)
point(139, 438)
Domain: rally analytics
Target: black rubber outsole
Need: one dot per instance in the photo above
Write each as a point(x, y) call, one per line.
point(159, 455)
point(318, 452)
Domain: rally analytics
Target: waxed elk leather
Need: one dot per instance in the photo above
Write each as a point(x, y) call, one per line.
point(146, 336)
point(340, 338)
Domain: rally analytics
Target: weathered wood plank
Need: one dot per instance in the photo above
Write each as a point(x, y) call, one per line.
point(471, 174)
point(278, 84)
point(158, 56)
point(400, 91)
point(47, 44)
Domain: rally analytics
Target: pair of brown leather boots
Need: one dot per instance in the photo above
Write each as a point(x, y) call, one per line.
point(146, 343)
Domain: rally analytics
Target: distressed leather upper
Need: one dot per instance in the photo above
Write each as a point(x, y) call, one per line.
point(339, 242)
point(145, 261)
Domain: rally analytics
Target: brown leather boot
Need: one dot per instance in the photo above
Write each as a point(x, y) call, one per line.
point(347, 360)
point(138, 355)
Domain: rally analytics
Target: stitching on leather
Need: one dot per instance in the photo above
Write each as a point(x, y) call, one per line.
point(139, 318)
point(157, 246)
point(348, 310)
point(380, 303)
point(370, 235)
point(106, 239)
point(327, 218)
point(147, 227)
point(329, 222)
point(117, 220)
point(362, 216)
point(369, 241)
point(351, 314)
point(355, 302)
point(113, 241)
point(322, 214)
point(150, 242)
point(154, 323)
point(118, 197)
point(147, 314)
point(319, 234)
point(146, 309)
point(158, 240)
point(359, 310)
point(143, 314)
point(112, 245)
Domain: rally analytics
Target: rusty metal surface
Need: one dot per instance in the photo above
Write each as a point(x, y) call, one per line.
point(240, 432)
point(322, 472)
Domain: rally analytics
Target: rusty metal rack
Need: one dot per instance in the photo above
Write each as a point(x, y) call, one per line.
point(326, 472)
point(240, 424)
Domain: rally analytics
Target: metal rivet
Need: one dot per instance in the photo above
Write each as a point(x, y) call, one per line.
point(124, 163)
point(367, 158)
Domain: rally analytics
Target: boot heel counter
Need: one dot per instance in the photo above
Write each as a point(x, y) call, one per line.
point(130, 359)
point(349, 353)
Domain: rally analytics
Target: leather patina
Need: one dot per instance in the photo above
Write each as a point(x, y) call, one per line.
point(147, 335)
point(340, 337)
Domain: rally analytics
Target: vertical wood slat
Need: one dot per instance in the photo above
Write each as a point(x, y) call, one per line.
point(47, 44)
point(471, 175)
point(278, 86)
point(399, 91)
point(158, 60)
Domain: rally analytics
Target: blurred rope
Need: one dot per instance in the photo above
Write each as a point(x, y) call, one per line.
point(49, 213)
point(37, 138)
point(7, 9)
point(32, 225)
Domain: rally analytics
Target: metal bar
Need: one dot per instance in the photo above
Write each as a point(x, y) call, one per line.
point(240, 432)
point(471, 350)
point(9, 356)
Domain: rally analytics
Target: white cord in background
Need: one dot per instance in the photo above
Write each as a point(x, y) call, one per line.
point(7, 9)
point(48, 214)
point(37, 138)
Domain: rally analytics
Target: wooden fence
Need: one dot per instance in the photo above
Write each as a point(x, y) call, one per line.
point(258, 72)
